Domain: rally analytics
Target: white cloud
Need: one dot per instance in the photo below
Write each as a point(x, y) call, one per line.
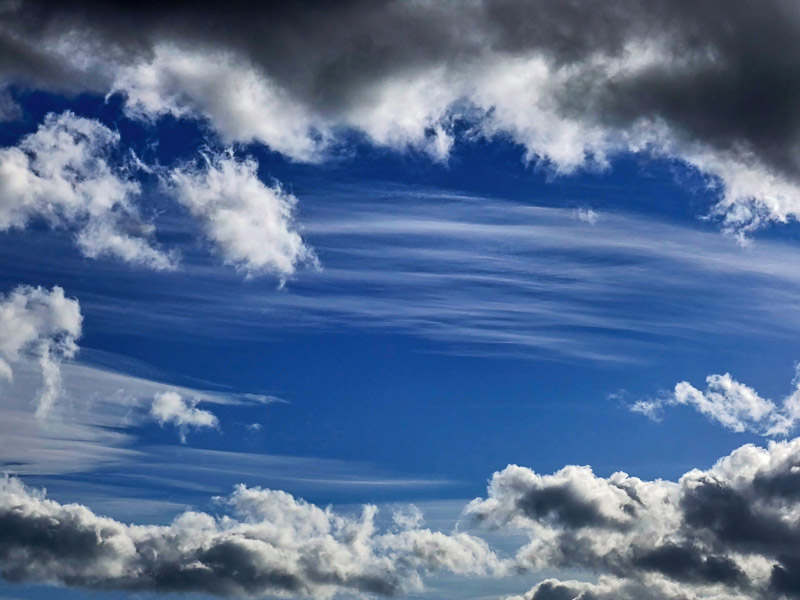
point(61, 174)
point(587, 215)
point(249, 223)
point(520, 97)
point(270, 543)
point(170, 408)
point(44, 323)
point(242, 104)
point(732, 404)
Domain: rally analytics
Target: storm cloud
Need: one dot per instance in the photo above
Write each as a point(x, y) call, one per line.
point(574, 83)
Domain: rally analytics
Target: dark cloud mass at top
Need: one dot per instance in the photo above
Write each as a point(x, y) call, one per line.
point(713, 84)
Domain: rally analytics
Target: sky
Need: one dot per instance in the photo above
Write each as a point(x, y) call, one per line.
point(482, 299)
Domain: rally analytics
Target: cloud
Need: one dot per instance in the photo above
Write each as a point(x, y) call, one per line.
point(43, 323)
point(573, 87)
point(61, 174)
point(732, 404)
point(268, 543)
point(727, 532)
point(170, 408)
point(612, 588)
point(249, 223)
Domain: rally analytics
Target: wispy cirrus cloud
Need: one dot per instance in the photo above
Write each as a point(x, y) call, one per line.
point(475, 274)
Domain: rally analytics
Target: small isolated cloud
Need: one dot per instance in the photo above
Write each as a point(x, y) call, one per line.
point(586, 215)
point(269, 544)
point(250, 224)
point(43, 323)
point(61, 174)
point(730, 403)
point(170, 408)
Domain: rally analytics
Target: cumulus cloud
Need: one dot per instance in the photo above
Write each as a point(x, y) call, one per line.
point(43, 323)
point(712, 86)
point(61, 174)
point(250, 224)
point(613, 588)
point(731, 531)
point(730, 403)
point(170, 408)
point(268, 543)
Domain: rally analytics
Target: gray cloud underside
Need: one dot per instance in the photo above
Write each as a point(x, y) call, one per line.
point(714, 85)
point(269, 544)
point(731, 531)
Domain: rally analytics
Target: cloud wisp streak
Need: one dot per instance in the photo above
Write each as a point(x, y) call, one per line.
point(476, 275)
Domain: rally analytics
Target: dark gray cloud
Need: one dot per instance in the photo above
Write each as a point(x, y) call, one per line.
point(731, 531)
point(714, 85)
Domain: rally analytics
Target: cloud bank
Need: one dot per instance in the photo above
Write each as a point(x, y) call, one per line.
point(714, 86)
point(269, 543)
point(727, 532)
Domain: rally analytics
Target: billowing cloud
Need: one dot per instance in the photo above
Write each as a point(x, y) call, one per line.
point(730, 403)
point(44, 323)
point(249, 223)
point(269, 543)
point(714, 86)
point(727, 532)
point(61, 174)
point(170, 408)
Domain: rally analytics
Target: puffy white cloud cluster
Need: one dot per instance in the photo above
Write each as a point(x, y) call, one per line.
point(43, 323)
point(269, 543)
point(170, 408)
point(249, 223)
point(731, 531)
point(63, 174)
point(732, 404)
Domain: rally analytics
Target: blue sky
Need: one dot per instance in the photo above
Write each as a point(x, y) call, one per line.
point(390, 292)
